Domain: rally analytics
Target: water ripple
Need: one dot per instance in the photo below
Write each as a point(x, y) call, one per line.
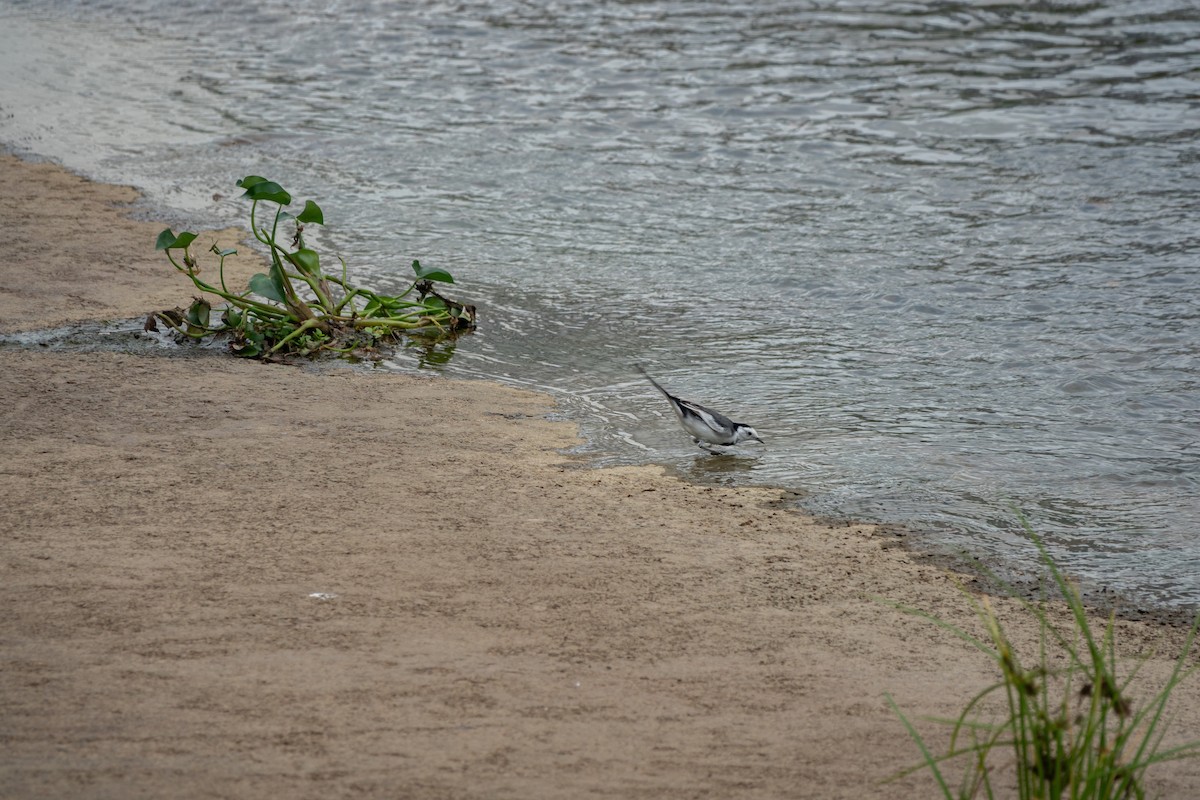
point(943, 255)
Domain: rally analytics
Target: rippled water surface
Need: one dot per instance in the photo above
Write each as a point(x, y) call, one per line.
point(943, 256)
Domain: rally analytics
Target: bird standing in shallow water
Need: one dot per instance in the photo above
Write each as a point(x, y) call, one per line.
point(704, 425)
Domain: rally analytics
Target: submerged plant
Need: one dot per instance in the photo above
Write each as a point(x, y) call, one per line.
point(296, 307)
point(1072, 726)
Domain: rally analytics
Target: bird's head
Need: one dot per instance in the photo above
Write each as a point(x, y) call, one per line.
point(742, 433)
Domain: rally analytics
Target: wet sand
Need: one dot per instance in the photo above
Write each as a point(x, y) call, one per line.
point(224, 578)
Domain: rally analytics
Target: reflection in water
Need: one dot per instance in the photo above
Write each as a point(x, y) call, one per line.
point(431, 352)
point(730, 468)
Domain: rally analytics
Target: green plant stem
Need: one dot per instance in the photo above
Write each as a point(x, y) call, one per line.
point(404, 323)
point(350, 296)
point(297, 306)
point(371, 296)
point(275, 223)
point(236, 299)
point(322, 297)
point(307, 325)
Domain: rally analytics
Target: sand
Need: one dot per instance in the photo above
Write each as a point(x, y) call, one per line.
point(224, 578)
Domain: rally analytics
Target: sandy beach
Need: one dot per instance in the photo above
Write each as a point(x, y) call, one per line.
point(224, 578)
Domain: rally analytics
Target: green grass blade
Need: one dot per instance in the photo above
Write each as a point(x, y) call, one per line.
point(930, 761)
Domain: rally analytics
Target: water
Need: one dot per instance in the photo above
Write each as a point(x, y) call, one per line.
point(943, 256)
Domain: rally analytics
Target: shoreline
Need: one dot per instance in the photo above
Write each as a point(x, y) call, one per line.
point(243, 579)
point(165, 289)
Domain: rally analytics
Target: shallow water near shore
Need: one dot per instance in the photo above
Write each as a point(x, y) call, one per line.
point(943, 258)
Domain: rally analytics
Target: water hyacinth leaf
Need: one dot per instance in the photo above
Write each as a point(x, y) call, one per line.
point(261, 285)
point(431, 273)
point(198, 313)
point(250, 180)
point(266, 190)
point(307, 261)
point(228, 251)
point(246, 349)
point(435, 303)
point(311, 213)
point(169, 241)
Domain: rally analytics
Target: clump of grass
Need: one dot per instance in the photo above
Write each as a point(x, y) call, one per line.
point(296, 307)
point(1073, 728)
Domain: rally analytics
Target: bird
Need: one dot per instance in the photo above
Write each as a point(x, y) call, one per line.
point(705, 426)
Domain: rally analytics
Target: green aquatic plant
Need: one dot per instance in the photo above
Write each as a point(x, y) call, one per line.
point(296, 308)
point(1072, 728)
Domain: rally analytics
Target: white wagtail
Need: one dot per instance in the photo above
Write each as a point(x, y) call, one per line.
point(704, 425)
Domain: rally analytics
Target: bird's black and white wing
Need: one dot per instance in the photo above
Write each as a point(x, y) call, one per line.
point(704, 423)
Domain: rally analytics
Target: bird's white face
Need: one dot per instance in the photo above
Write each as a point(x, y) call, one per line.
point(745, 432)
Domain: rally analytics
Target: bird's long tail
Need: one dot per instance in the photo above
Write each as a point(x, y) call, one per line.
point(642, 370)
